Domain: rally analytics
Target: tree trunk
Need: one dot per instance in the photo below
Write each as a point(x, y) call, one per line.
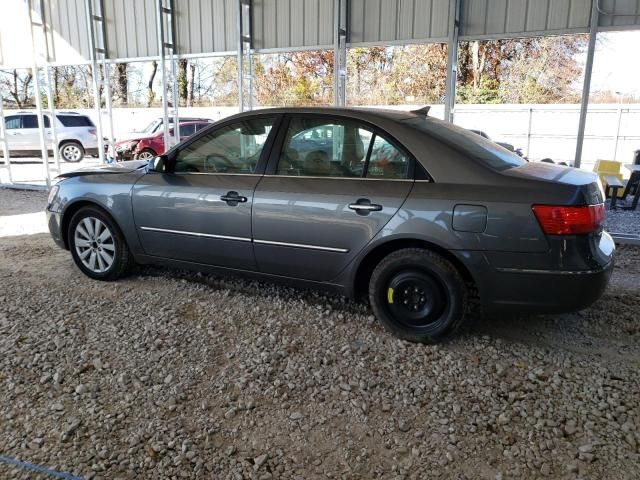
point(150, 93)
point(122, 84)
point(182, 81)
point(192, 74)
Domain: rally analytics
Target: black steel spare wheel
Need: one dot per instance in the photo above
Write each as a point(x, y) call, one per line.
point(415, 298)
point(418, 295)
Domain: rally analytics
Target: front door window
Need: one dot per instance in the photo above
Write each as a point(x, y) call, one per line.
point(233, 149)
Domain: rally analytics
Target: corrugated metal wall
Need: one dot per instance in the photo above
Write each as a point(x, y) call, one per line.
point(205, 26)
point(281, 24)
point(399, 21)
point(520, 18)
point(627, 13)
point(131, 28)
point(209, 26)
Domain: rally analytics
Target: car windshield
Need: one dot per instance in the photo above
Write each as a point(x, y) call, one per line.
point(485, 151)
point(151, 127)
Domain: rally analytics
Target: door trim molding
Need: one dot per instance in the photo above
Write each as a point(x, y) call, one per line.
point(302, 245)
point(196, 234)
point(245, 239)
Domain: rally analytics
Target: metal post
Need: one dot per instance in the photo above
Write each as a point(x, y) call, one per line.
point(240, 59)
point(94, 75)
point(615, 145)
point(36, 94)
point(529, 132)
point(172, 26)
point(452, 60)
point(586, 87)
point(340, 38)
point(163, 71)
point(3, 139)
point(106, 72)
point(53, 119)
point(41, 128)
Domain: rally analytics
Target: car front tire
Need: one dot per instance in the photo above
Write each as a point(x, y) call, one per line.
point(418, 295)
point(146, 154)
point(97, 245)
point(71, 152)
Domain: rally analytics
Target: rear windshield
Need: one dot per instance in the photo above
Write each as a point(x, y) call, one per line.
point(75, 121)
point(485, 151)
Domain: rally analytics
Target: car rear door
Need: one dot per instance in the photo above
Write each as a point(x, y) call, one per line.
point(315, 210)
point(28, 137)
point(201, 211)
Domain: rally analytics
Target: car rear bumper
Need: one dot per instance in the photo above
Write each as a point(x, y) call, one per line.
point(539, 291)
point(565, 279)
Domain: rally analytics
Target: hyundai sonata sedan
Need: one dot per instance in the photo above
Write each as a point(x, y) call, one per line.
point(417, 214)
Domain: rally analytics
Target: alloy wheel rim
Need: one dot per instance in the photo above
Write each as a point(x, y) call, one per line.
point(145, 156)
point(71, 152)
point(94, 244)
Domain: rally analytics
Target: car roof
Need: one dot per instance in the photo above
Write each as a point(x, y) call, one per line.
point(48, 112)
point(355, 112)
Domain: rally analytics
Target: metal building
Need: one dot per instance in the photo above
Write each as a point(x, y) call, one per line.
point(72, 32)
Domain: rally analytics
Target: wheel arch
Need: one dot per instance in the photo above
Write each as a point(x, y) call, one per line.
point(63, 141)
point(72, 209)
point(366, 265)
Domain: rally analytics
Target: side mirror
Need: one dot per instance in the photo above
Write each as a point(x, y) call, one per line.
point(158, 164)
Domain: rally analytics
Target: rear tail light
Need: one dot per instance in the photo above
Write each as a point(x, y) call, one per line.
point(93, 132)
point(564, 220)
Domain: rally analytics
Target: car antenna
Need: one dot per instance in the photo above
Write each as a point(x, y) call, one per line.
point(422, 111)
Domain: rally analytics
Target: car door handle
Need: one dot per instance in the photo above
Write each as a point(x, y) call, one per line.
point(232, 198)
point(363, 206)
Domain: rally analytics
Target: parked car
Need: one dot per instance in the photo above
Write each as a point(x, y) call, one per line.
point(508, 146)
point(76, 134)
point(421, 219)
point(149, 146)
point(156, 126)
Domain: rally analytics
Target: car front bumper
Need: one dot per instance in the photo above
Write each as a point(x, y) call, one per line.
point(54, 222)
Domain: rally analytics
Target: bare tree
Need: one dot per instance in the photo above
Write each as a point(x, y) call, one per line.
point(150, 93)
point(18, 85)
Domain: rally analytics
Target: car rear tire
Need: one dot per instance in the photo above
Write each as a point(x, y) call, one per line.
point(418, 295)
point(146, 154)
point(71, 152)
point(97, 245)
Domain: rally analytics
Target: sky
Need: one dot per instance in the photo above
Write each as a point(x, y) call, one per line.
point(616, 65)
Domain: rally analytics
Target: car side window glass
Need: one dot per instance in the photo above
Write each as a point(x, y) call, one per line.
point(386, 161)
point(233, 148)
point(187, 130)
point(11, 122)
point(320, 147)
point(31, 121)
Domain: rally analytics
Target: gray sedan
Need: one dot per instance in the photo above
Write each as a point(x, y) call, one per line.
point(419, 215)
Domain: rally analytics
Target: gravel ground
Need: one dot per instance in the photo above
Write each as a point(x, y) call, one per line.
point(623, 221)
point(178, 375)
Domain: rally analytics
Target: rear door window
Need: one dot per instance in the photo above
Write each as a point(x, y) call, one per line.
point(31, 121)
point(186, 130)
point(387, 161)
point(323, 147)
point(75, 121)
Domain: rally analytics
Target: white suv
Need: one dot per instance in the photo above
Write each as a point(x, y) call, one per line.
point(76, 134)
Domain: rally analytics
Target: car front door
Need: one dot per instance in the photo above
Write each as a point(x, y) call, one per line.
point(200, 210)
point(315, 210)
point(13, 125)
